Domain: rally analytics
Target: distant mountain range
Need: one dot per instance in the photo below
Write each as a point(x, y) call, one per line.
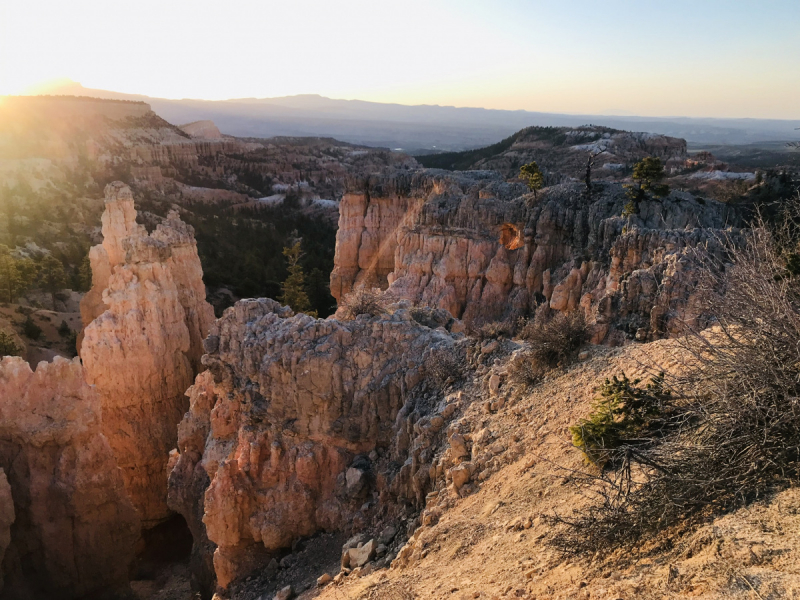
point(424, 128)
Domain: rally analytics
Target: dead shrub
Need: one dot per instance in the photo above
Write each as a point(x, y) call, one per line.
point(525, 371)
point(431, 317)
point(444, 365)
point(481, 329)
point(554, 337)
point(734, 433)
point(364, 301)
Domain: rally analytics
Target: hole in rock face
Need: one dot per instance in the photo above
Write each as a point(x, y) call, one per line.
point(162, 547)
point(511, 236)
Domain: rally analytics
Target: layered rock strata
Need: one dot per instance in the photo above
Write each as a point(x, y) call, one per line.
point(143, 348)
point(287, 428)
point(74, 528)
point(485, 250)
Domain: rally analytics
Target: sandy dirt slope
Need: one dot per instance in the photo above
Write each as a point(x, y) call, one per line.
point(50, 342)
point(492, 544)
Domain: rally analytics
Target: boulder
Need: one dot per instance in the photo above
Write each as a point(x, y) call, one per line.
point(461, 474)
point(285, 593)
point(363, 554)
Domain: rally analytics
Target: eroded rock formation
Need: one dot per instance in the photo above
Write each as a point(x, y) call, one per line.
point(7, 516)
point(143, 348)
point(74, 528)
point(288, 424)
point(485, 250)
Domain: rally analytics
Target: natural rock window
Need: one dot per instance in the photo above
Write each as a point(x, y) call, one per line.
point(510, 236)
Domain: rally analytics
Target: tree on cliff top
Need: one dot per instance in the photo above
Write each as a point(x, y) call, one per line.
point(648, 174)
point(532, 175)
point(294, 287)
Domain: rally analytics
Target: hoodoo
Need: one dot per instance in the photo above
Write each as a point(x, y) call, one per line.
point(74, 529)
point(301, 425)
point(142, 351)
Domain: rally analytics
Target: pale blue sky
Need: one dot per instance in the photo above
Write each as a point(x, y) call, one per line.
point(667, 57)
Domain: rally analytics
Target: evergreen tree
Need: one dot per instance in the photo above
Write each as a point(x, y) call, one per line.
point(648, 174)
point(532, 175)
point(10, 277)
point(52, 276)
point(294, 287)
point(85, 274)
point(8, 347)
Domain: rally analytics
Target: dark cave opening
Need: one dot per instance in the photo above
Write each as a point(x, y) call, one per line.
point(165, 545)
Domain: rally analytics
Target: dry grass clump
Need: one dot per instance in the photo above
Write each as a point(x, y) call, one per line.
point(444, 365)
point(733, 433)
point(490, 330)
point(364, 301)
point(554, 337)
point(525, 371)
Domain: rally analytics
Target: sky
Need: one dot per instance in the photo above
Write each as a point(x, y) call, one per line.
point(702, 58)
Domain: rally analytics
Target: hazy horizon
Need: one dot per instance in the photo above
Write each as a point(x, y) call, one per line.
point(712, 60)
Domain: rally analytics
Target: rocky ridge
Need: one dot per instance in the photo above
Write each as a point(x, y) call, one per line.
point(302, 425)
point(565, 152)
point(485, 250)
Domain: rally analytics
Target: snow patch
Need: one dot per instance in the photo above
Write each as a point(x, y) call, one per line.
point(723, 175)
point(273, 200)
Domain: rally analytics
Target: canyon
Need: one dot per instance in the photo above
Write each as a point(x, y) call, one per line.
point(92, 435)
point(391, 450)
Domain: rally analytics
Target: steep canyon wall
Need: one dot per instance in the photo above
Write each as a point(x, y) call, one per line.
point(486, 250)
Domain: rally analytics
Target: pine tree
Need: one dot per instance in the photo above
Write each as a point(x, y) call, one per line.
point(52, 276)
point(294, 287)
point(532, 175)
point(10, 277)
point(647, 176)
point(8, 347)
point(85, 274)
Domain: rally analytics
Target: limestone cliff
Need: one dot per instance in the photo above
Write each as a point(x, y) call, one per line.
point(75, 529)
point(289, 424)
point(143, 350)
point(485, 250)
